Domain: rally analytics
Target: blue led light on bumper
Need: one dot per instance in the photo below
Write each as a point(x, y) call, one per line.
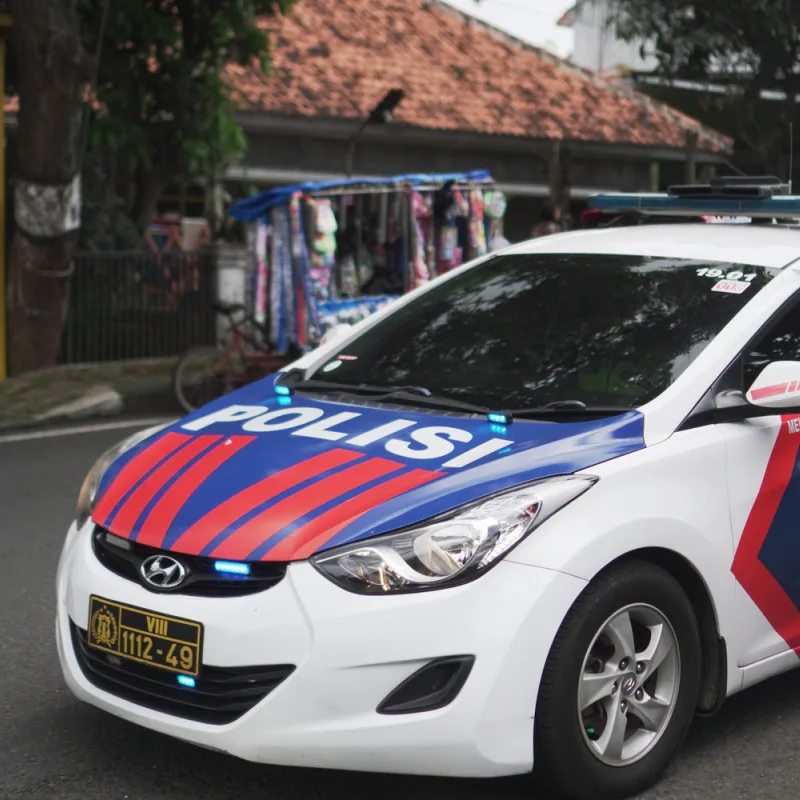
point(232, 567)
point(283, 391)
point(186, 680)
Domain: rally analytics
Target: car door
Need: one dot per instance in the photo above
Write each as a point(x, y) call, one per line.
point(764, 494)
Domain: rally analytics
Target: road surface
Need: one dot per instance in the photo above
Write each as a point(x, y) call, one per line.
point(54, 748)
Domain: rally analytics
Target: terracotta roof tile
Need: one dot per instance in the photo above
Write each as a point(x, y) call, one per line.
point(337, 59)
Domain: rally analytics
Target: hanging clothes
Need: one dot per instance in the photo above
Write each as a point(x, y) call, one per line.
point(261, 272)
point(421, 215)
point(477, 232)
point(495, 205)
point(280, 283)
point(305, 322)
point(323, 254)
point(450, 212)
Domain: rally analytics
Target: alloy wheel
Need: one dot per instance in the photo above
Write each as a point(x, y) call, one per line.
point(628, 685)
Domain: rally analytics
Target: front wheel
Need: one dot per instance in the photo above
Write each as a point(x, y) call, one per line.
point(620, 685)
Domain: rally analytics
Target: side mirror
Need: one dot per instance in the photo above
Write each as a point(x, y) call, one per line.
point(777, 386)
point(336, 333)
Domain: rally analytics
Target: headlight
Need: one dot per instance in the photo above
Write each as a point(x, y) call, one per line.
point(453, 550)
point(88, 493)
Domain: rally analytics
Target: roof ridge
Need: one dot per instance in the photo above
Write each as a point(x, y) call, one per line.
point(684, 121)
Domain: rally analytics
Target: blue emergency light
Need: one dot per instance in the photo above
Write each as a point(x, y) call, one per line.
point(754, 197)
point(232, 567)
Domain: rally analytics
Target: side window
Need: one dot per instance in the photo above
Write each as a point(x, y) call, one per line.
point(780, 343)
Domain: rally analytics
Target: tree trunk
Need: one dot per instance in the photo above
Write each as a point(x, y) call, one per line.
point(51, 65)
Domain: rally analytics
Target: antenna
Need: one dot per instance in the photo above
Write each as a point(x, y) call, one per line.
point(791, 153)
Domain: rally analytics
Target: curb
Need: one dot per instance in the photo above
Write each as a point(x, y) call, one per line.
point(99, 401)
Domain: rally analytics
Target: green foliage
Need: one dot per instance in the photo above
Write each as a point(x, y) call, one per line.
point(105, 223)
point(162, 108)
point(747, 45)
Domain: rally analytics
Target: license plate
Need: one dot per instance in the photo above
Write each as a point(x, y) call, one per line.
point(140, 635)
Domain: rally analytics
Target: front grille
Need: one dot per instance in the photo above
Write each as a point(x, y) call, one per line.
point(124, 558)
point(222, 694)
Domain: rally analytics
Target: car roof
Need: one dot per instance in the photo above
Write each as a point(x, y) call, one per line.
point(757, 245)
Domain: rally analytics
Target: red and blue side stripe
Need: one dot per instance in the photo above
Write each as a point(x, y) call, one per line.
point(767, 560)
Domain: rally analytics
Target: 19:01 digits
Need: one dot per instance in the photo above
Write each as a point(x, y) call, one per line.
point(140, 646)
point(731, 276)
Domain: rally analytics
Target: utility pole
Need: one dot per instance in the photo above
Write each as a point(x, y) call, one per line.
point(5, 32)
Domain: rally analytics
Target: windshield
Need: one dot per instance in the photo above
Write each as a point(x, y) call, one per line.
point(525, 330)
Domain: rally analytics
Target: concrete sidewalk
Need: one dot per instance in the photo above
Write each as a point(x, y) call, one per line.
point(88, 391)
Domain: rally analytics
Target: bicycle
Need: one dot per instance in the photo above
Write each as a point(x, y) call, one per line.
point(205, 373)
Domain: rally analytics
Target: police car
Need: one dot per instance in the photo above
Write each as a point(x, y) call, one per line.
point(532, 517)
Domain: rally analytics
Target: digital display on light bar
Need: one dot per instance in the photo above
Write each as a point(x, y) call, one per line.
point(232, 567)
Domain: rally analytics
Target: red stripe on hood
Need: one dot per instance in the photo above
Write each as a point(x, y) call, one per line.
point(306, 540)
point(199, 535)
point(125, 519)
point(138, 466)
point(242, 542)
point(155, 527)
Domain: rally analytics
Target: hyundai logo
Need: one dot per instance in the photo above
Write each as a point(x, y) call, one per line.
point(162, 572)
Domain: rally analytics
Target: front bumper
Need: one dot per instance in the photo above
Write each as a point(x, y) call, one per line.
point(350, 652)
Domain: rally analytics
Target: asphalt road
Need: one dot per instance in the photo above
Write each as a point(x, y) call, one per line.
point(54, 748)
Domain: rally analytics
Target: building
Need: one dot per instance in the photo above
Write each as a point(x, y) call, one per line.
point(596, 44)
point(473, 97)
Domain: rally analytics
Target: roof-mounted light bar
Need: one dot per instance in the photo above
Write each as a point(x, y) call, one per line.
point(755, 197)
point(739, 187)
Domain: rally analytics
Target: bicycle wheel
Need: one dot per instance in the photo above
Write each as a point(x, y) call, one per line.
point(201, 375)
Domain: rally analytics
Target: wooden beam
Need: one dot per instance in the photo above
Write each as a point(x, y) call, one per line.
point(559, 172)
point(655, 176)
point(690, 172)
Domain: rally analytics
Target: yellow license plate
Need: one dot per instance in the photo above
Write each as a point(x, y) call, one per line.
point(168, 643)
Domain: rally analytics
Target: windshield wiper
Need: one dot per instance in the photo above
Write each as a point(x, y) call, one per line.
point(410, 395)
point(567, 408)
point(317, 385)
point(421, 396)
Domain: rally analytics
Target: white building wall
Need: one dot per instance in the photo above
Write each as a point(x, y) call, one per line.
point(596, 44)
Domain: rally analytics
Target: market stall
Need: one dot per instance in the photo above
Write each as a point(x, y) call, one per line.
point(328, 253)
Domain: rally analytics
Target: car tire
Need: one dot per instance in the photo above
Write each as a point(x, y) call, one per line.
point(578, 748)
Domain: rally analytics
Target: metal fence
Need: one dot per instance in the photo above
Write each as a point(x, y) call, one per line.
point(131, 305)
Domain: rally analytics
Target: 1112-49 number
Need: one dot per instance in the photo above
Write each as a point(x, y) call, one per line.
point(140, 646)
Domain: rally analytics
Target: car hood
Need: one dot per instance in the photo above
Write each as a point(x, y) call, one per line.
point(256, 477)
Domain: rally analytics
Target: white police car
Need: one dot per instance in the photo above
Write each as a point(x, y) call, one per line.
point(532, 517)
